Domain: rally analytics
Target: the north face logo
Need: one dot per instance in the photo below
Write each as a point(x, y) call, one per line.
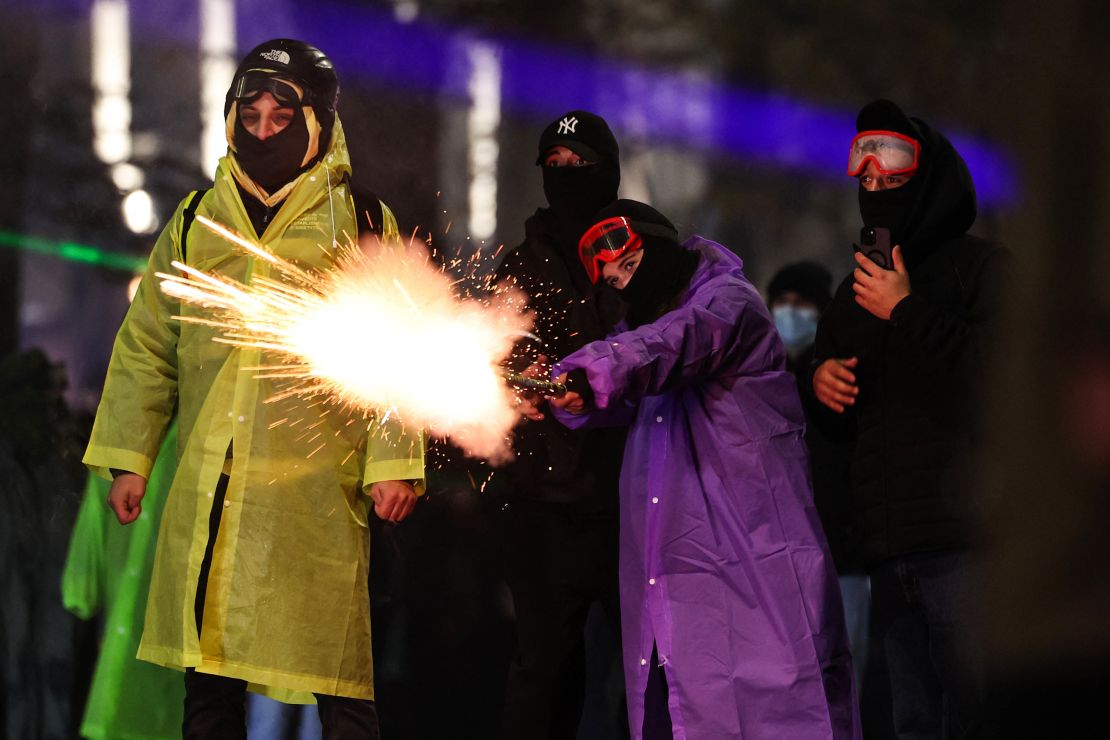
point(567, 126)
point(276, 55)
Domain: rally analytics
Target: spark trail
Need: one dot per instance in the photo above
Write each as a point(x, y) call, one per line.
point(383, 331)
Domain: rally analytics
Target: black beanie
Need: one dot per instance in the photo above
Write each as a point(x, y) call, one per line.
point(808, 279)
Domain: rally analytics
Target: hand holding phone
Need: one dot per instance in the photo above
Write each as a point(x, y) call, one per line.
point(874, 242)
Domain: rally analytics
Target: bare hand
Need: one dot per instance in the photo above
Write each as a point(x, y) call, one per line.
point(529, 403)
point(834, 383)
point(126, 495)
point(569, 401)
point(393, 500)
point(879, 290)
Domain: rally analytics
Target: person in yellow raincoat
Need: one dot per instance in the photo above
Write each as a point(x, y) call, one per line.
point(260, 575)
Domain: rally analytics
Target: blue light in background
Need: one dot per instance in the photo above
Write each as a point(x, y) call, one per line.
point(541, 81)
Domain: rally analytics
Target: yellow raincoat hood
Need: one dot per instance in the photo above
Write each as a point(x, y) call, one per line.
point(287, 606)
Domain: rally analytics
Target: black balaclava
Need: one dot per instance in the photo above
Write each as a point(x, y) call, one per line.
point(889, 208)
point(576, 193)
point(276, 160)
point(280, 158)
point(936, 204)
point(306, 66)
point(665, 268)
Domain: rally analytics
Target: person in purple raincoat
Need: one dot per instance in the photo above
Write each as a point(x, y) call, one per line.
point(731, 614)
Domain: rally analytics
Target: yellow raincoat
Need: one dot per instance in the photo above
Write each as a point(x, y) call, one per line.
point(287, 606)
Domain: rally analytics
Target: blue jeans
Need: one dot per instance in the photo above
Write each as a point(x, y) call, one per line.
point(855, 592)
point(922, 607)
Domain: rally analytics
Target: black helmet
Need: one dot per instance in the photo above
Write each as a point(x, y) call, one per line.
point(300, 62)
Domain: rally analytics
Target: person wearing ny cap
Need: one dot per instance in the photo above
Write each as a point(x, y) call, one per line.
point(899, 360)
point(260, 573)
point(732, 620)
point(560, 524)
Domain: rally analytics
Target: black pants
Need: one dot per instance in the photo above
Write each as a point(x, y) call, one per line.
point(922, 608)
point(657, 712)
point(216, 706)
point(560, 561)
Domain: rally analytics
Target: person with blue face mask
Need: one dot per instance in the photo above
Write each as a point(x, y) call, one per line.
point(797, 295)
point(796, 324)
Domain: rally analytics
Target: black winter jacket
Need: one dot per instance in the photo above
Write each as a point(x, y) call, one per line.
point(913, 423)
point(553, 463)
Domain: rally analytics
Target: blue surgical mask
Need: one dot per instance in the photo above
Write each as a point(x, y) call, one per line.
point(797, 326)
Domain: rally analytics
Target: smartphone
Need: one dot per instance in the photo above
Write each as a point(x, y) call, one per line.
point(874, 242)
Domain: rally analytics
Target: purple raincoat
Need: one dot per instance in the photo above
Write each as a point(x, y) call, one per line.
point(724, 566)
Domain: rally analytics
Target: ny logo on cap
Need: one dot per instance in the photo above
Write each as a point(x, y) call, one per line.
point(276, 55)
point(567, 126)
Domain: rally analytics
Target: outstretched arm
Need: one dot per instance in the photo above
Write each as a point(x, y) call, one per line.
point(687, 345)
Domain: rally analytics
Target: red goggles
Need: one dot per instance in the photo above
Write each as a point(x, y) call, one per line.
point(892, 153)
point(607, 241)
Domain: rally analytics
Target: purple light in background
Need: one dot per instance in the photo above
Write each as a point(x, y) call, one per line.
point(540, 81)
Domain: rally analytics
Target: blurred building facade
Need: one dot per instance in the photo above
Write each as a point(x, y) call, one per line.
point(715, 103)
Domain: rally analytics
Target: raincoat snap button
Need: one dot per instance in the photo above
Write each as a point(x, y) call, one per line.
point(654, 499)
point(659, 419)
point(651, 581)
point(242, 418)
point(643, 661)
point(227, 504)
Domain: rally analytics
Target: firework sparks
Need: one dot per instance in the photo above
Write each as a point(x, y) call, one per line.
point(383, 331)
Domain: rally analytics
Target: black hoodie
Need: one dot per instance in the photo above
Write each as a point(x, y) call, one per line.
point(554, 463)
point(912, 423)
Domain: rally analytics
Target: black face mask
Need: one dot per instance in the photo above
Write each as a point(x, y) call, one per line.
point(277, 160)
point(889, 208)
point(664, 272)
point(580, 192)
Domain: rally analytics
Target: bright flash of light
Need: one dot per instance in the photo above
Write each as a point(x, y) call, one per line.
point(382, 331)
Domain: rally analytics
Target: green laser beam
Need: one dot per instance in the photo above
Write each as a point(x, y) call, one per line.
point(72, 252)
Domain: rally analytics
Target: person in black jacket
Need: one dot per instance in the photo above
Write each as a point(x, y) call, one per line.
point(561, 521)
point(898, 358)
point(797, 296)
